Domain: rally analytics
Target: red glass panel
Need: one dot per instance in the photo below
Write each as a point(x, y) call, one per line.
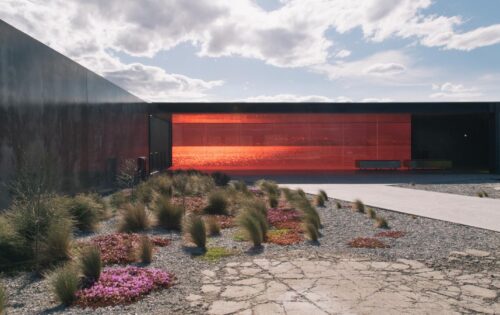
point(288, 141)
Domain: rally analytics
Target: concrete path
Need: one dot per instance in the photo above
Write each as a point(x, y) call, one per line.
point(325, 284)
point(477, 212)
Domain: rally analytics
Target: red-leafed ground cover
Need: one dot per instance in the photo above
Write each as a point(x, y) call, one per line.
point(120, 248)
point(192, 203)
point(367, 242)
point(278, 216)
point(391, 234)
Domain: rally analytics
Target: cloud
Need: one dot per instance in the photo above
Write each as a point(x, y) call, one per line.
point(155, 84)
point(292, 98)
point(449, 90)
point(344, 53)
point(389, 64)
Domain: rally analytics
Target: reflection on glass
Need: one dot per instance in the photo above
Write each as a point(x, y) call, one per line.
point(288, 141)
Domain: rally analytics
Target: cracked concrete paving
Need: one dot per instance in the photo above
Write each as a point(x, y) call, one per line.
point(328, 284)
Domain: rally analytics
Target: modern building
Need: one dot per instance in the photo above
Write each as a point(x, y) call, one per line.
point(52, 106)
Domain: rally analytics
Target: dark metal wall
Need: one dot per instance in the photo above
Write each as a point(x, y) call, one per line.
point(50, 105)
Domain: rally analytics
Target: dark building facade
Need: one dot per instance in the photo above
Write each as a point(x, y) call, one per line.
point(50, 105)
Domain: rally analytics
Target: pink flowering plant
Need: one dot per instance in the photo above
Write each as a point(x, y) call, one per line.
point(277, 216)
point(123, 286)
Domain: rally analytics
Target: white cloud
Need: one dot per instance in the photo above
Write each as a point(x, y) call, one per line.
point(155, 84)
point(292, 98)
point(344, 53)
point(385, 69)
point(452, 91)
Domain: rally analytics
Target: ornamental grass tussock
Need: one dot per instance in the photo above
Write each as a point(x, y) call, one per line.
point(371, 213)
point(146, 250)
point(319, 200)
point(273, 201)
point(197, 231)
point(135, 218)
point(251, 227)
point(168, 215)
point(213, 226)
point(65, 282)
point(86, 212)
point(381, 223)
point(358, 206)
point(338, 205)
point(124, 285)
point(311, 231)
point(323, 194)
point(217, 203)
point(91, 263)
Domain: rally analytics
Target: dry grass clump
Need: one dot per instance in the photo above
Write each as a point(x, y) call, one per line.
point(217, 203)
point(240, 186)
point(135, 218)
point(251, 227)
point(118, 199)
point(323, 194)
point(90, 263)
point(86, 212)
point(213, 226)
point(358, 206)
point(57, 244)
point(197, 231)
point(221, 179)
point(311, 231)
point(65, 282)
point(338, 205)
point(273, 201)
point(381, 223)
point(168, 215)
point(319, 200)
point(146, 250)
point(162, 184)
point(371, 213)
point(143, 193)
point(482, 194)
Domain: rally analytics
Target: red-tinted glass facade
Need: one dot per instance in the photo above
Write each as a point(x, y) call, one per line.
point(288, 141)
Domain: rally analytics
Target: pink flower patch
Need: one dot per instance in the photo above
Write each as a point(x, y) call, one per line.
point(123, 286)
point(276, 216)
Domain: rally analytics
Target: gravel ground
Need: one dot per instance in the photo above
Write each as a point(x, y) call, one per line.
point(466, 189)
point(426, 239)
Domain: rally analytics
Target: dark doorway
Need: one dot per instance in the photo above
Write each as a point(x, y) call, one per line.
point(160, 143)
point(462, 139)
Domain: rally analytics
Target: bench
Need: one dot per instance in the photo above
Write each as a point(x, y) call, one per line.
point(378, 164)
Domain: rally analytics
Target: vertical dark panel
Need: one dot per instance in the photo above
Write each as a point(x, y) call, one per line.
point(160, 143)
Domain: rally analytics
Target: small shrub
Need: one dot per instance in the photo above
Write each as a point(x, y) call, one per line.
point(118, 199)
point(271, 188)
point(311, 231)
point(214, 254)
point(134, 218)
point(366, 242)
point(3, 300)
point(91, 264)
point(85, 212)
point(168, 215)
point(213, 226)
point(146, 250)
point(301, 193)
point(273, 201)
point(251, 227)
point(56, 246)
point(338, 205)
point(163, 185)
point(319, 200)
point(197, 231)
point(358, 206)
point(143, 193)
point(240, 186)
point(371, 213)
point(220, 179)
point(323, 193)
point(217, 203)
point(65, 281)
point(381, 223)
point(480, 194)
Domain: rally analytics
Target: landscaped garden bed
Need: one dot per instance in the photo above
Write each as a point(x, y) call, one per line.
point(183, 223)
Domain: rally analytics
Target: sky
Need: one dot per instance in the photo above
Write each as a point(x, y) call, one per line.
point(277, 50)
